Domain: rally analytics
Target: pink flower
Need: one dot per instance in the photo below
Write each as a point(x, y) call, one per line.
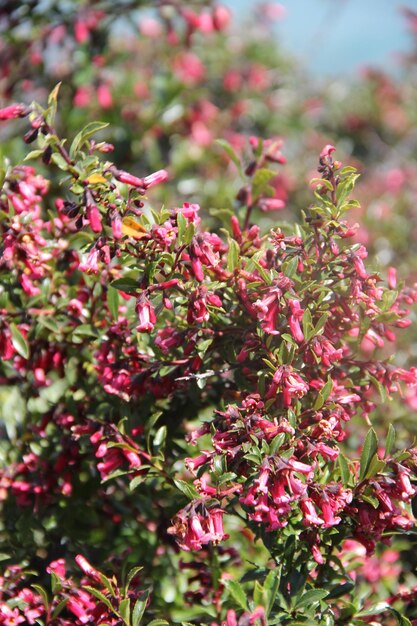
point(104, 96)
point(189, 68)
point(146, 312)
point(310, 513)
point(91, 263)
point(192, 529)
point(57, 567)
point(13, 111)
point(294, 320)
point(289, 383)
point(327, 151)
point(190, 212)
point(268, 309)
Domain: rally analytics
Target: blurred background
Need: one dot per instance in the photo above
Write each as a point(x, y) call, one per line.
point(333, 37)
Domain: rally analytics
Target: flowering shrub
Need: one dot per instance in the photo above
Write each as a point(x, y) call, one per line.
point(173, 391)
point(196, 411)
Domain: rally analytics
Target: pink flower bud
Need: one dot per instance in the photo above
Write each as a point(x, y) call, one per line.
point(94, 217)
point(271, 204)
point(13, 111)
point(128, 179)
point(154, 179)
point(221, 17)
point(392, 277)
point(87, 568)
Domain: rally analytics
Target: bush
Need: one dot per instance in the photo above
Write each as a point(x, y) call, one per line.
point(188, 402)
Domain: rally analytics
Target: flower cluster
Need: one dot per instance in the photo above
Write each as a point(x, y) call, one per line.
point(200, 397)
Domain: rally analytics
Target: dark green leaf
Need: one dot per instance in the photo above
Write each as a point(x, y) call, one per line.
point(310, 597)
point(370, 447)
point(113, 302)
point(129, 285)
point(344, 469)
point(139, 609)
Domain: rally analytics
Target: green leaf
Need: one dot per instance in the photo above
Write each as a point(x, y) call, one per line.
point(401, 619)
point(323, 182)
point(52, 104)
point(159, 439)
point(258, 593)
point(83, 135)
point(271, 587)
point(230, 153)
point(56, 584)
point(53, 96)
point(233, 255)
point(148, 428)
point(381, 607)
point(139, 609)
point(59, 161)
point(186, 489)
point(390, 440)
point(158, 622)
point(308, 330)
point(132, 573)
point(345, 188)
point(135, 482)
point(100, 596)
point(344, 469)
point(41, 591)
point(370, 447)
point(34, 154)
point(375, 467)
point(113, 302)
point(323, 394)
point(290, 268)
point(59, 608)
point(260, 181)
point(182, 226)
point(189, 233)
point(129, 285)
point(238, 594)
point(310, 597)
point(124, 610)
point(19, 342)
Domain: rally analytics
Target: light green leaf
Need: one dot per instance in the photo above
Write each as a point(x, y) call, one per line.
point(230, 153)
point(19, 342)
point(238, 594)
point(390, 440)
point(233, 255)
